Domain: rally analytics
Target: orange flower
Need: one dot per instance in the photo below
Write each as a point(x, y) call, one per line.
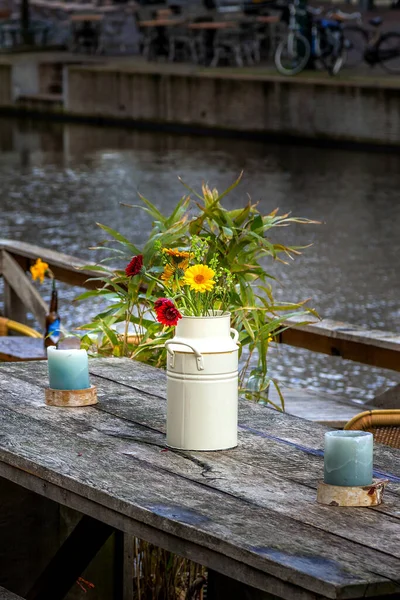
point(174, 253)
point(179, 264)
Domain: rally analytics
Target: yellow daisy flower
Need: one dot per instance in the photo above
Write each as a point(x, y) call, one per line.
point(38, 270)
point(175, 252)
point(177, 255)
point(168, 273)
point(199, 278)
point(170, 270)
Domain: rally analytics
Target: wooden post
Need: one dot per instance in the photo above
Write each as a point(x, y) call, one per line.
point(123, 566)
point(13, 306)
point(20, 294)
point(29, 536)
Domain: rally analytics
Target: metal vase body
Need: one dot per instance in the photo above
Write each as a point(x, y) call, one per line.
point(202, 384)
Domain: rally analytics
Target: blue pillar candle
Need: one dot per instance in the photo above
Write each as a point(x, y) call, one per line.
point(68, 369)
point(348, 458)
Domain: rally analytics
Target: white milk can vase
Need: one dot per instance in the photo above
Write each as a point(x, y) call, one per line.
point(202, 384)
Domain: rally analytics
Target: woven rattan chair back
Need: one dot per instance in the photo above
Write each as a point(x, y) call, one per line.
point(3, 326)
point(383, 424)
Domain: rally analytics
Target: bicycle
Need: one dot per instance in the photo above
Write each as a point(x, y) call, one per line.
point(327, 44)
point(373, 46)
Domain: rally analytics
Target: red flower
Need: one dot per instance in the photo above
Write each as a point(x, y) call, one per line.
point(167, 313)
point(159, 302)
point(135, 266)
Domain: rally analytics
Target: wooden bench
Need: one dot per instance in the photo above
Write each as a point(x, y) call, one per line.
point(6, 595)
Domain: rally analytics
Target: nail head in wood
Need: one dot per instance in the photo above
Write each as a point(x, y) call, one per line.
point(337, 495)
point(70, 398)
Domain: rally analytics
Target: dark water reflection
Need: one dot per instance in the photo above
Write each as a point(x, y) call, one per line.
point(57, 181)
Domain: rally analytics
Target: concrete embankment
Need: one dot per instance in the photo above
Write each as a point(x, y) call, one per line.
point(5, 85)
point(345, 109)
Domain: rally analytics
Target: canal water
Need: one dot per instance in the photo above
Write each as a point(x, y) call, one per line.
point(57, 181)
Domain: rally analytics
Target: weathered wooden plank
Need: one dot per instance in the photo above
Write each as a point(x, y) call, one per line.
point(323, 563)
point(256, 425)
point(328, 409)
point(220, 586)
point(6, 595)
point(22, 286)
point(319, 407)
point(276, 458)
point(351, 342)
point(168, 541)
point(66, 268)
point(13, 306)
point(224, 473)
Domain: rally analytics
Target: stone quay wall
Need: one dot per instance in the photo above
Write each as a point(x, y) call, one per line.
point(337, 110)
point(5, 85)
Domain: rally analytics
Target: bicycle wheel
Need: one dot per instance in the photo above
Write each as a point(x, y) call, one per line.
point(355, 42)
point(388, 52)
point(292, 54)
point(333, 53)
point(335, 63)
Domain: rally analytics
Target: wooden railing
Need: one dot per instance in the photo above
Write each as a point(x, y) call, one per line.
point(20, 296)
point(371, 347)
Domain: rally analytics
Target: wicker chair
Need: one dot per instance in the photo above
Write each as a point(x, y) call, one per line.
point(7, 325)
point(384, 424)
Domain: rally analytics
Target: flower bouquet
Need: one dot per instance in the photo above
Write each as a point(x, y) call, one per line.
point(191, 287)
point(200, 261)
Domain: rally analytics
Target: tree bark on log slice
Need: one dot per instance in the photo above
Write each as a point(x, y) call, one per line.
point(337, 495)
point(66, 398)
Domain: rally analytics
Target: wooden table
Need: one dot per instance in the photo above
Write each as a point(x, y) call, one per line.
point(91, 18)
point(249, 514)
point(321, 407)
point(213, 25)
point(161, 23)
point(268, 20)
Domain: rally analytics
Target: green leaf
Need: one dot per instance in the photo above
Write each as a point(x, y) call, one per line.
point(120, 238)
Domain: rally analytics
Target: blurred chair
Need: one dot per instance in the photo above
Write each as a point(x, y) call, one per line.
point(228, 46)
point(7, 325)
point(204, 39)
point(253, 40)
point(182, 45)
point(384, 424)
point(148, 43)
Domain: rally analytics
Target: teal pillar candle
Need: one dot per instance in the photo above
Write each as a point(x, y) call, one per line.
point(68, 369)
point(348, 458)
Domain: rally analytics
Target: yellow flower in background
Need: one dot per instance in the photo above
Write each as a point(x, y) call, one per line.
point(177, 255)
point(170, 270)
point(179, 262)
point(168, 273)
point(38, 270)
point(199, 278)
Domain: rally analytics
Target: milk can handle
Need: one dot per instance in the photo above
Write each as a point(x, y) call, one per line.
point(235, 335)
point(199, 358)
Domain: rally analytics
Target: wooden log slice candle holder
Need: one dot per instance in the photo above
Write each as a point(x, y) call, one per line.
point(70, 398)
point(337, 495)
